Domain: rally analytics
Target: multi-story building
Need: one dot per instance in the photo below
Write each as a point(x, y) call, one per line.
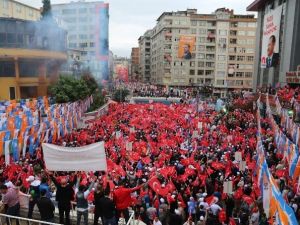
point(30, 58)
point(18, 10)
point(135, 64)
point(221, 50)
point(145, 57)
point(277, 59)
point(87, 27)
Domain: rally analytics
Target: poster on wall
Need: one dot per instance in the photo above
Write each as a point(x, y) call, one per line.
point(270, 39)
point(186, 47)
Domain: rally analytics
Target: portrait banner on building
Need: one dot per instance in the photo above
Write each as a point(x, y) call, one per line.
point(186, 47)
point(270, 38)
point(87, 158)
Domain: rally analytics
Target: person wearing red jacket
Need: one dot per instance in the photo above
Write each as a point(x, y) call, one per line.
point(122, 199)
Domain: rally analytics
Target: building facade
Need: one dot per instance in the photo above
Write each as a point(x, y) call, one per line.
point(145, 57)
point(191, 49)
point(18, 10)
point(278, 34)
point(29, 57)
point(87, 27)
point(135, 64)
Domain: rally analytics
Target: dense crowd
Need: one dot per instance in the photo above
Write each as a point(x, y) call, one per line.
point(169, 164)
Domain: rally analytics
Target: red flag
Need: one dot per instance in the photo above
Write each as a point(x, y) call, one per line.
point(157, 187)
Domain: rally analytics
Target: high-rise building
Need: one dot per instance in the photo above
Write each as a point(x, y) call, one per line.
point(145, 57)
point(191, 49)
point(87, 27)
point(277, 59)
point(18, 10)
point(135, 64)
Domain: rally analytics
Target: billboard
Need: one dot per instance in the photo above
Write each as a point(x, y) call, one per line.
point(270, 38)
point(186, 47)
point(121, 72)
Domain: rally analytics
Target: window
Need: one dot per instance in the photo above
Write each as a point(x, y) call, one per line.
point(210, 56)
point(83, 45)
point(239, 82)
point(201, 56)
point(241, 50)
point(239, 74)
point(194, 23)
point(251, 33)
point(202, 31)
point(202, 39)
point(221, 65)
point(11, 38)
point(12, 93)
point(5, 4)
point(7, 69)
point(82, 10)
point(248, 74)
point(223, 32)
point(72, 45)
point(192, 72)
point(220, 82)
point(82, 36)
point(250, 41)
point(242, 24)
point(202, 23)
point(221, 57)
point(91, 36)
point(210, 64)
point(72, 37)
point(193, 31)
point(250, 50)
point(200, 80)
point(200, 64)
point(92, 44)
point(232, 57)
point(200, 72)
point(252, 24)
point(208, 72)
point(31, 12)
point(242, 41)
point(19, 9)
point(29, 68)
point(221, 74)
point(28, 91)
point(241, 33)
point(69, 11)
point(240, 58)
point(250, 58)
point(201, 48)
point(192, 64)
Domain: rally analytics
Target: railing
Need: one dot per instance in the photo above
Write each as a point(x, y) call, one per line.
point(131, 218)
point(7, 219)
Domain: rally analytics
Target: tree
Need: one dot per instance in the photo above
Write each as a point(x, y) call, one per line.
point(46, 12)
point(120, 95)
point(69, 89)
point(90, 81)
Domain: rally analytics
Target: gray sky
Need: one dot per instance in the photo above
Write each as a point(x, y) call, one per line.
point(129, 19)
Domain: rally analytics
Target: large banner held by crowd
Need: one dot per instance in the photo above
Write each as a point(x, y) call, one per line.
point(87, 158)
point(270, 43)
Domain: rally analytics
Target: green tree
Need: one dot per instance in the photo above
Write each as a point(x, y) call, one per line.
point(90, 81)
point(120, 95)
point(46, 11)
point(69, 89)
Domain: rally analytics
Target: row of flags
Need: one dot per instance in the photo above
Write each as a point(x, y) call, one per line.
point(273, 202)
point(29, 125)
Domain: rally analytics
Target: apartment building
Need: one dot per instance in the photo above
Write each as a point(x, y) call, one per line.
point(135, 64)
point(145, 58)
point(221, 53)
point(87, 27)
point(18, 10)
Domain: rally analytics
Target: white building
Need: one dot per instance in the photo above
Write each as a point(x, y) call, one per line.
point(87, 27)
point(222, 55)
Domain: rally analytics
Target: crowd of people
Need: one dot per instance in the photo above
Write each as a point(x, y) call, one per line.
point(170, 164)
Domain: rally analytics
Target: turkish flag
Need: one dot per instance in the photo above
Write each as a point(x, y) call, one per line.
point(156, 186)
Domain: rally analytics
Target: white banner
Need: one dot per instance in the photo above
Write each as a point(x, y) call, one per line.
point(270, 43)
point(87, 158)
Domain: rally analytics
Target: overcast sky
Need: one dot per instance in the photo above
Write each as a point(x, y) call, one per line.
point(129, 19)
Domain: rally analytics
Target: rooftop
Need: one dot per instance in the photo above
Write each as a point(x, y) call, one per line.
point(256, 5)
point(25, 5)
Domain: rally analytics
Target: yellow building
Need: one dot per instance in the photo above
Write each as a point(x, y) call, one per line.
point(30, 58)
point(18, 10)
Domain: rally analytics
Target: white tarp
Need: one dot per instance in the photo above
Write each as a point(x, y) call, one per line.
point(87, 158)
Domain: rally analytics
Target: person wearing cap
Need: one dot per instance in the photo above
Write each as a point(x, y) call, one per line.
point(34, 191)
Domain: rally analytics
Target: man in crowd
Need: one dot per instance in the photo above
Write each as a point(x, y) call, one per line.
point(10, 198)
point(46, 207)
